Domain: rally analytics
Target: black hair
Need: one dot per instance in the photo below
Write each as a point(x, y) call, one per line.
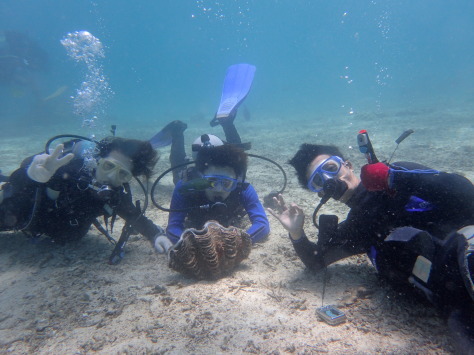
point(224, 155)
point(306, 154)
point(142, 154)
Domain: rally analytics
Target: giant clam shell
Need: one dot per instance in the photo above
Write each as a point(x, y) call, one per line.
point(211, 252)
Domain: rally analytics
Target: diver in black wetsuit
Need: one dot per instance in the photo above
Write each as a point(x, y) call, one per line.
point(416, 224)
point(61, 194)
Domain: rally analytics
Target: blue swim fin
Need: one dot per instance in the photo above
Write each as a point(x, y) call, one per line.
point(237, 83)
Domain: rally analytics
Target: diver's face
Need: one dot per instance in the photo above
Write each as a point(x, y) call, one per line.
point(345, 174)
point(219, 193)
point(114, 169)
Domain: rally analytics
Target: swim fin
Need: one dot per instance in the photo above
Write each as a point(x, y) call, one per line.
point(165, 137)
point(161, 139)
point(237, 83)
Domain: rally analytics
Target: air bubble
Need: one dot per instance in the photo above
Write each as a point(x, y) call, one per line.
point(89, 101)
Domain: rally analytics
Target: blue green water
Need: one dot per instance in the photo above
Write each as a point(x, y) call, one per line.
point(166, 59)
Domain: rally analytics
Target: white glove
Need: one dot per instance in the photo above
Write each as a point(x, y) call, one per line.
point(43, 166)
point(162, 244)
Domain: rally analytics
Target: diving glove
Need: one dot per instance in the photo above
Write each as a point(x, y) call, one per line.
point(45, 165)
point(162, 244)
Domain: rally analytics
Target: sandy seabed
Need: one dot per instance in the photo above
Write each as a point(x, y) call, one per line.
point(68, 300)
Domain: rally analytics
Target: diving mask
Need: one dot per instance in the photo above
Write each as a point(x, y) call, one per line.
point(327, 169)
point(111, 171)
point(221, 182)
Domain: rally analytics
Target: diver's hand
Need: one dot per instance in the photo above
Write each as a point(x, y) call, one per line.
point(162, 244)
point(43, 166)
point(291, 218)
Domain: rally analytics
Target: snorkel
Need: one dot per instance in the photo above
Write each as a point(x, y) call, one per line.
point(196, 185)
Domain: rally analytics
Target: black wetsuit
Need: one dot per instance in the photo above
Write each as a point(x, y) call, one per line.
point(433, 206)
point(65, 206)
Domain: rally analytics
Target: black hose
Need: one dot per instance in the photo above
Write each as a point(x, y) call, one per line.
point(38, 198)
point(285, 179)
point(316, 212)
point(145, 192)
point(157, 205)
point(48, 143)
point(152, 191)
point(329, 189)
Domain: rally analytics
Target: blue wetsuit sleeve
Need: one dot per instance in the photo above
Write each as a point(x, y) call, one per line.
point(176, 219)
point(260, 227)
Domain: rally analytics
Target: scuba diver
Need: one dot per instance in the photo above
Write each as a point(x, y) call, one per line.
point(214, 188)
point(220, 193)
point(416, 225)
point(61, 194)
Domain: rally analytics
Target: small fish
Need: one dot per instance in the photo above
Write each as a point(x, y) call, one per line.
point(195, 185)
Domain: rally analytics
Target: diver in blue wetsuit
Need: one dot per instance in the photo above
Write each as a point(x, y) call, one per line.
point(213, 189)
point(416, 224)
point(220, 193)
